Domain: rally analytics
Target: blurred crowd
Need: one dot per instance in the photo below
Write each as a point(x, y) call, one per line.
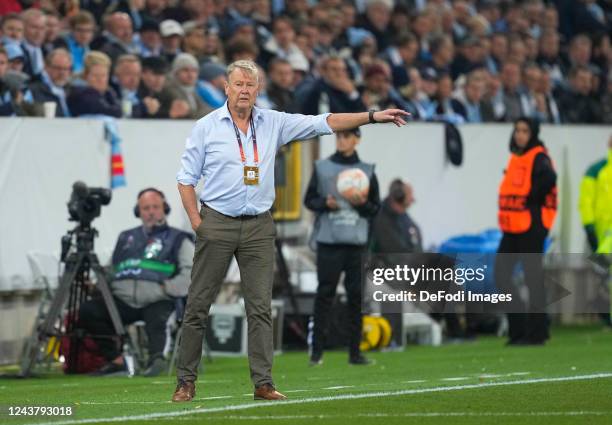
point(460, 61)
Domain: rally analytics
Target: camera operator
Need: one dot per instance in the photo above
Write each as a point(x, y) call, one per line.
point(151, 266)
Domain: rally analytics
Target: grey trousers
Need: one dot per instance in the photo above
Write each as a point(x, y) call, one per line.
point(219, 238)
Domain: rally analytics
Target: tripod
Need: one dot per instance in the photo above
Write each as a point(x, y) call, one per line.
point(72, 292)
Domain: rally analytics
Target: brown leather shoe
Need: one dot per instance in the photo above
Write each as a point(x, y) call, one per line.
point(185, 391)
point(267, 392)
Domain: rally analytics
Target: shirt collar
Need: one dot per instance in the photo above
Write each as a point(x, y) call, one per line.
point(29, 46)
point(224, 113)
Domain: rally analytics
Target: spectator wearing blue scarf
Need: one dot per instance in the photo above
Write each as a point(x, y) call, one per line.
point(50, 85)
point(82, 27)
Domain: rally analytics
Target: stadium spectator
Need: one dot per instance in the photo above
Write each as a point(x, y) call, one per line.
point(306, 40)
point(132, 8)
point(213, 47)
point(52, 32)
point(12, 29)
point(531, 48)
point(333, 92)
point(376, 20)
point(211, 87)
point(470, 56)
point(551, 112)
point(240, 50)
point(280, 87)
point(579, 53)
point(236, 14)
point(155, 10)
point(601, 59)
point(11, 95)
point(152, 86)
point(548, 57)
point(517, 51)
point(442, 50)
point(33, 38)
point(576, 103)
point(550, 19)
point(263, 100)
point(515, 101)
point(401, 58)
point(498, 53)
point(151, 266)
point(324, 45)
point(149, 41)
point(172, 36)
point(50, 85)
point(587, 16)
point(282, 43)
point(532, 79)
point(77, 41)
point(117, 37)
point(126, 80)
point(15, 57)
point(96, 97)
point(377, 92)
point(477, 110)
point(446, 107)
point(182, 86)
point(194, 41)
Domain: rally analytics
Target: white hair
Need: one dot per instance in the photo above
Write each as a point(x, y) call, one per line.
point(247, 66)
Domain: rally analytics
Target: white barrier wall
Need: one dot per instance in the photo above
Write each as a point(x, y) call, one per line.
point(453, 200)
point(41, 159)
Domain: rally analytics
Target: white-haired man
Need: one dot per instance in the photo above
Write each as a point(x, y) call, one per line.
point(233, 149)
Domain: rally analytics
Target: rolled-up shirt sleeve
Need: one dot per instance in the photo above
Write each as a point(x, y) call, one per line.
point(192, 160)
point(299, 127)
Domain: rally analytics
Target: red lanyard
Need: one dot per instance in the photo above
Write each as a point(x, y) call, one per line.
point(254, 136)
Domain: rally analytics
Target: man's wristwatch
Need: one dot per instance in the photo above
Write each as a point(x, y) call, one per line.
point(371, 116)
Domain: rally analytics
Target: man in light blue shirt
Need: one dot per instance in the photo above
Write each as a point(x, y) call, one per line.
point(233, 150)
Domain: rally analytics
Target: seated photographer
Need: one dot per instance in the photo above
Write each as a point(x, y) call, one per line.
point(151, 266)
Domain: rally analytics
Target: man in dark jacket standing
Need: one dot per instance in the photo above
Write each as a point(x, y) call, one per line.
point(341, 232)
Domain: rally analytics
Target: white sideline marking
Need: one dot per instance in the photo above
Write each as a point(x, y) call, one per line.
point(103, 403)
point(519, 373)
point(339, 387)
point(414, 381)
point(297, 391)
point(415, 415)
point(458, 378)
point(323, 399)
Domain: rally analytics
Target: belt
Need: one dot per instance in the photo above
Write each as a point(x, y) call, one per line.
point(239, 217)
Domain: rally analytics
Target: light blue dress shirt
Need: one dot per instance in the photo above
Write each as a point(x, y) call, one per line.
point(212, 152)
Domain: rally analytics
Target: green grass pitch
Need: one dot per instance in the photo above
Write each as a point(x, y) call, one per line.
point(568, 381)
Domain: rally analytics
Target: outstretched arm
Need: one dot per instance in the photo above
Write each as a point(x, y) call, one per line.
point(340, 122)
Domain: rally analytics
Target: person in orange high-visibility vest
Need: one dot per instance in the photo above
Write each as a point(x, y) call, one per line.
point(527, 209)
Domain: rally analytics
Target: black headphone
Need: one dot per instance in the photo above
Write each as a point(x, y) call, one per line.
point(151, 189)
point(396, 191)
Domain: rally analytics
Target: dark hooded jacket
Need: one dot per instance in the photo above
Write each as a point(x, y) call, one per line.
point(543, 176)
